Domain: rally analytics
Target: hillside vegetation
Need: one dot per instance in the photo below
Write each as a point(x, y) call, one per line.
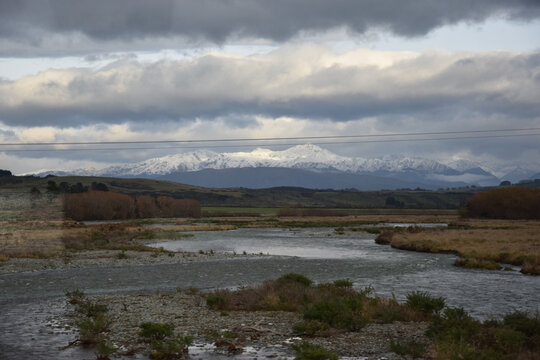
point(273, 197)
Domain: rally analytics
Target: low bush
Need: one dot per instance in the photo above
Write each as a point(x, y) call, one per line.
point(343, 283)
point(425, 303)
point(155, 331)
point(91, 329)
point(307, 351)
point(218, 300)
point(310, 327)
point(457, 335)
point(171, 348)
point(345, 313)
point(296, 278)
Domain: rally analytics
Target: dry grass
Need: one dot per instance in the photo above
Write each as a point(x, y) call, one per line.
point(512, 242)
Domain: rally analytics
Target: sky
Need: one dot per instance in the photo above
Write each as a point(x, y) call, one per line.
point(135, 70)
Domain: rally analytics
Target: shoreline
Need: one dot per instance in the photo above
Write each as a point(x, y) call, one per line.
point(108, 258)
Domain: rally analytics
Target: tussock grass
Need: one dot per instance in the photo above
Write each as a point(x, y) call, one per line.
point(482, 243)
point(322, 306)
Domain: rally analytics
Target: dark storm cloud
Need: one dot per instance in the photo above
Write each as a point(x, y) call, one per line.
point(31, 22)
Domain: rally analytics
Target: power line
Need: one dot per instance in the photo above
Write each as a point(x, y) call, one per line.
point(264, 139)
point(286, 144)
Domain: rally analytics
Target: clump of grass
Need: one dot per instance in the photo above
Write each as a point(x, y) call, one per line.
point(531, 266)
point(344, 313)
point(155, 331)
point(171, 348)
point(296, 278)
point(308, 351)
point(343, 283)
point(164, 345)
point(310, 327)
point(472, 263)
point(425, 303)
point(384, 238)
point(4, 258)
point(217, 300)
point(412, 348)
point(122, 255)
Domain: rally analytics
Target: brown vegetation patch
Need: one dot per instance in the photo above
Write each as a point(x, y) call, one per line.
point(480, 242)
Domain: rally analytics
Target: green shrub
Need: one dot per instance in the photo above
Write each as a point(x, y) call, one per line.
point(296, 278)
point(173, 348)
point(339, 313)
point(310, 327)
point(155, 331)
point(217, 301)
point(343, 283)
point(307, 351)
point(425, 303)
point(91, 329)
point(520, 321)
point(104, 350)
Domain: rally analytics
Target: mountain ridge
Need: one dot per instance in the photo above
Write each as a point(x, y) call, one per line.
point(309, 157)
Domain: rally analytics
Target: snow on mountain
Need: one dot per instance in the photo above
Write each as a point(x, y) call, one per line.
point(307, 156)
point(518, 173)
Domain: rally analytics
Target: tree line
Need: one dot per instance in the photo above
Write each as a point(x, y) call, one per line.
point(504, 203)
point(108, 205)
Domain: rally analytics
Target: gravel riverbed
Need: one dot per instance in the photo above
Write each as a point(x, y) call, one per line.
point(268, 332)
point(106, 258)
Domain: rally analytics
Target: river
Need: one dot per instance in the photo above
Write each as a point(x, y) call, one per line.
point(31, 302)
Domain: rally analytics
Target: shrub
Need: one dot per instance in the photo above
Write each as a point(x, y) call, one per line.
point(91, 329)
point(155, 331)
point(520, 321)
point(307, 351)
point(173, 348)
point(296, 278)
point(341, 314)
point(217, 301)
point(425, 303)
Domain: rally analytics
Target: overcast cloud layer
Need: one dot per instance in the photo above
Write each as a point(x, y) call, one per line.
point(300, 88)
point(67, 26)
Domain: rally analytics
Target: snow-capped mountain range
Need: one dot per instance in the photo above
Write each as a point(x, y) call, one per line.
point(306, 157)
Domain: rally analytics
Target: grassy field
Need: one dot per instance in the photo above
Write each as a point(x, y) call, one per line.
point(481, 243)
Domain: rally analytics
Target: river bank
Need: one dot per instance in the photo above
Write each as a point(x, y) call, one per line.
point(108, 258)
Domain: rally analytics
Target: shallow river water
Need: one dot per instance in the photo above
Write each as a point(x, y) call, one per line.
point(30, 302)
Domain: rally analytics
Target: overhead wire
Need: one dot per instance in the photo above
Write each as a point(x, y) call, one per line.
point(273, 145)
point(268, 138)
